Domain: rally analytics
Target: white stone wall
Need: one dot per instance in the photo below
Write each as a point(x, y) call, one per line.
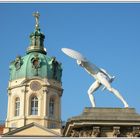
point(21, 88)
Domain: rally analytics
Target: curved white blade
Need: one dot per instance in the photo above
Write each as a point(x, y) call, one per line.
point(74, 54)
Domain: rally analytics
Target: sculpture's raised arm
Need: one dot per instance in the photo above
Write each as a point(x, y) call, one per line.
point(74, 54)
point(81, 60)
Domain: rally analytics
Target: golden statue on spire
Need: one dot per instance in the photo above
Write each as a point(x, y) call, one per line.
point(36, 15)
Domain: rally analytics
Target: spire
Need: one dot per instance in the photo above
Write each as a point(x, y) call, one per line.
point(36, 38)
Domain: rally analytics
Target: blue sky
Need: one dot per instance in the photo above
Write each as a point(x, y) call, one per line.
point(107, 34)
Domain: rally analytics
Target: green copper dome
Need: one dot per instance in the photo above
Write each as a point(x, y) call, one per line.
point(36, 62)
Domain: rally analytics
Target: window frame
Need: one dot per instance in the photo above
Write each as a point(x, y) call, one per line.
point(34, 105)
point(52, 107)
point(17, 106)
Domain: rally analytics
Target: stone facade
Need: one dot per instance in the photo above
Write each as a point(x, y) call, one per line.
point(104, 122)
point(23, 90)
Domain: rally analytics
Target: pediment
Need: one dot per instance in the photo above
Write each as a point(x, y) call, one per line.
point(32, 130)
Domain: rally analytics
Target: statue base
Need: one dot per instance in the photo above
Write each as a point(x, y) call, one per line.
point(104, 122)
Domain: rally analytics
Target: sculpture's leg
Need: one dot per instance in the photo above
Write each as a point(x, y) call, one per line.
point(91, 89)
point(119, 96)
point(105, 82)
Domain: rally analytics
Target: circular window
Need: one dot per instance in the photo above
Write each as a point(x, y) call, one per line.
point(35, 86)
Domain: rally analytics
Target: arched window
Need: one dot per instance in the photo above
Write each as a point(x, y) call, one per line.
point(34, 105)
point(52, 125)
point(17, 106)
point(51, 107)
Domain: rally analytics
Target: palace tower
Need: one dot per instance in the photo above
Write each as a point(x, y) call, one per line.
point(35, 88)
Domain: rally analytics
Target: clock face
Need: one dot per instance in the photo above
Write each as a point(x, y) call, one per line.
point(35, 86)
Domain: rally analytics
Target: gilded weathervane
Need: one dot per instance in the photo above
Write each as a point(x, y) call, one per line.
point(36, 15)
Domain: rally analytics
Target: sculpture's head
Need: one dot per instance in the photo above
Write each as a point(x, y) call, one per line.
point(79, 63)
